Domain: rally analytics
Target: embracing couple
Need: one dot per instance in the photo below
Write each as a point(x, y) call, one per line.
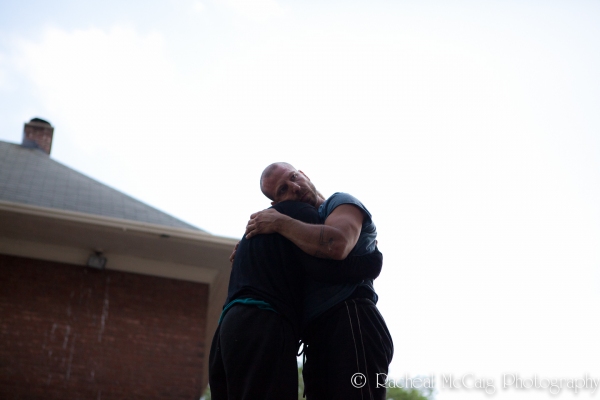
point(304, 272)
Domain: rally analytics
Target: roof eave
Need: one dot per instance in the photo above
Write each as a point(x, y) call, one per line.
point(68, 236)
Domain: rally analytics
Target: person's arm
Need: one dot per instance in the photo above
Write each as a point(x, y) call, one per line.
point(335, 239)
point(353, 269)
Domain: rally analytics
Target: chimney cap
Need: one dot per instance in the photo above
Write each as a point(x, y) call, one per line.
point(40, 121)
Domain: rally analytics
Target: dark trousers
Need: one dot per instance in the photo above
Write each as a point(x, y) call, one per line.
point(253, 357)
point(346, 348)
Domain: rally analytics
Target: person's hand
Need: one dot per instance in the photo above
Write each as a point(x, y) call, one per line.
point(263, 222)
point(232, 256)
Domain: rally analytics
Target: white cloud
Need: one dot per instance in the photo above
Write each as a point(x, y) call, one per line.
point(115, 78)
point(199, 6)
point(255, 10)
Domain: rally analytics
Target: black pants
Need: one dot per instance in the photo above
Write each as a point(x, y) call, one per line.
point(346, 348)
point(253, 357)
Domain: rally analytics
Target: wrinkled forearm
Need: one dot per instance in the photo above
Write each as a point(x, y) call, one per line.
point(321, 241)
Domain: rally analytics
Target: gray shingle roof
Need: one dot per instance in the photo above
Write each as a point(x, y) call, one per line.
point(29, 176)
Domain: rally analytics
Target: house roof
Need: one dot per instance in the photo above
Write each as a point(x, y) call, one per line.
point(29, 176)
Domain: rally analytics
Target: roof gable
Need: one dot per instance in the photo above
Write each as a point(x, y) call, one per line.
point(29, 176)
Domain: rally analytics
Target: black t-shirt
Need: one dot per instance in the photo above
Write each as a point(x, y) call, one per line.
point(271, 268)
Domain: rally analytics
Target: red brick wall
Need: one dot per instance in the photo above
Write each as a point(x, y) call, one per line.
point(70, 332)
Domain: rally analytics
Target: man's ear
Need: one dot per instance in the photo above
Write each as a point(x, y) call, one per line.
point(304, 174)
point(272, 203)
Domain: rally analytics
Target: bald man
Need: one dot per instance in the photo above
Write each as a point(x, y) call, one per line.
point(348, 345)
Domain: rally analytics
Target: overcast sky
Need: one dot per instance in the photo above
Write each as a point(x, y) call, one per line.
point(470, 130)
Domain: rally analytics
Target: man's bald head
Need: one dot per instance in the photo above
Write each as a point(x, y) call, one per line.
point(269, 171)
point(280, 181)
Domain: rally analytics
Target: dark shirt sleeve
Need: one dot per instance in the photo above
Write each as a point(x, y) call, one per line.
point(353, 269)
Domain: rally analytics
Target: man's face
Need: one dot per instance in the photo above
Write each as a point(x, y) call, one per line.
point(286, 183)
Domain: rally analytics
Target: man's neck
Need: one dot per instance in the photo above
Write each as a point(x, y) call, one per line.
point(320, 200)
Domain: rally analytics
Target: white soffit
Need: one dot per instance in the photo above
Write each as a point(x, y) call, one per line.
point(70, 237)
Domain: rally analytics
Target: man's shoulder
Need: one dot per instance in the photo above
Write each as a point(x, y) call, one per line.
point(337, 199)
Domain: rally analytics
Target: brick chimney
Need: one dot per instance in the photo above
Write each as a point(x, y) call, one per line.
point(38, 133)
